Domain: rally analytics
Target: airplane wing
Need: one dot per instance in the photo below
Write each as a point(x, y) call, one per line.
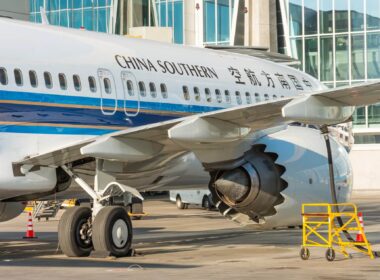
point(158, 138)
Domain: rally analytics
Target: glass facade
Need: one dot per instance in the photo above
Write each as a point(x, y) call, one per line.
point(89, 14)
point(217, 21)
point(170, 13)
point(338, 42)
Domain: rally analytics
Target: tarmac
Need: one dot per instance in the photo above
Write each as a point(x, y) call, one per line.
point(188, 244)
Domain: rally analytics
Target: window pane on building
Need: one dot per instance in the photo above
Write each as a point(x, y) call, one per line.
point(326, 16)
point(341, 16)
point(374, 115)
point(311, 56)
point(373, 14)
point(295, 11)
point(54, 18)
point(209, 20)
point(357, 57)
point(63, 4)
point(296, 47)
point(77, 4)
point(342, 58)
point(178, 22)
point(311, 17)
point(359, 116)
point(88, 16)
point(357, 15)
point(102, 20)
point(77, 19)
point(223, 21)
point(170, 14)
point(64, 18)
point(327, 59)
point(373, 55)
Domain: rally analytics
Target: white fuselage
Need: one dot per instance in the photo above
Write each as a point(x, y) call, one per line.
point(137, 82)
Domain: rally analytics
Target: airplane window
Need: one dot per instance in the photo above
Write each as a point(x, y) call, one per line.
point(62, 81)
point(238, 98)
point(3, 76)
point(33, 78)
point(186, 94)
point(227, 96)
point(248, 97)
point(152, 89)
point(164, 91)
point(274, 97)
point(266, 97)
point(130, 88)
point(77, 84)
point(48, 81)
point(92, 83)
point(208, 94)
point(218, 96)
point(257, 97)
point(107, 85)
point(197, 94)
point(18, 77)
point(142, 89)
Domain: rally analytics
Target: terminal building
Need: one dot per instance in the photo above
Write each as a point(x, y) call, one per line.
point(336, 41)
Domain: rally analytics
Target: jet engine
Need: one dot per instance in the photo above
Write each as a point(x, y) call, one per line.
point(268, 184)
point(10, 210)
point(254, 187)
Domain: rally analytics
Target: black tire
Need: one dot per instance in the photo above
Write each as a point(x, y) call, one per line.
point(179, 203)
point(304, 253)
point(108, 239)
point(330, 254)
point(69, 237)
point(206, 203)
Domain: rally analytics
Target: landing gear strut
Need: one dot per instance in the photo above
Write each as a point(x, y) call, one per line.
point(106, 228)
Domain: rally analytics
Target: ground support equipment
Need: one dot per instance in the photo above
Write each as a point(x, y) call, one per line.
point(321, 229)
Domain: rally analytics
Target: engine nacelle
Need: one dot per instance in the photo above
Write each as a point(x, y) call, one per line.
point(253, 188)
point(10, 210)
point(267, 186)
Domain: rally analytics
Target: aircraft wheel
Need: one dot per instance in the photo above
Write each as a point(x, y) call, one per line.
point(74, 232)
point(330, 254)
point(179, 203)
point(112, 231)
point(304, 253)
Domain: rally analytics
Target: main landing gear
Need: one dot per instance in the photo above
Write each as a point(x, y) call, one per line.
point(107, 228)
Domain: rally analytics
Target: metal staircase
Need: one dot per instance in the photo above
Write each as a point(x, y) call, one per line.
point(46, 209)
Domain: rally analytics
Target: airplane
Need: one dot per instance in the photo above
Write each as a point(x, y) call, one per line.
point(111, 117)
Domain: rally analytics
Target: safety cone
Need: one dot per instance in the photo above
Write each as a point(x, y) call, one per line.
point(29, 231)
point(359, 235)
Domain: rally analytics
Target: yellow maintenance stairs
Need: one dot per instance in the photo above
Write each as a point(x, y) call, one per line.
point(321, 229)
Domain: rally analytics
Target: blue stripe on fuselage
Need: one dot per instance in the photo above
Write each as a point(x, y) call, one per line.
point(34, 111)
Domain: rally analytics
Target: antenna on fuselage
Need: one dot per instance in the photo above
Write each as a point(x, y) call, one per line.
point(44, 19)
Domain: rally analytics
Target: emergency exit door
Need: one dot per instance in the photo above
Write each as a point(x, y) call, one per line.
point(108, 94)
point(131, 94)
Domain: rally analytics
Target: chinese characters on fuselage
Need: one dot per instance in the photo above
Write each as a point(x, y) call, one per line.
point(268, 79)
point(246, 76)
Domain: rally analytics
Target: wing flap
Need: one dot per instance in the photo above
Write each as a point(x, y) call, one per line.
point(355, 95)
